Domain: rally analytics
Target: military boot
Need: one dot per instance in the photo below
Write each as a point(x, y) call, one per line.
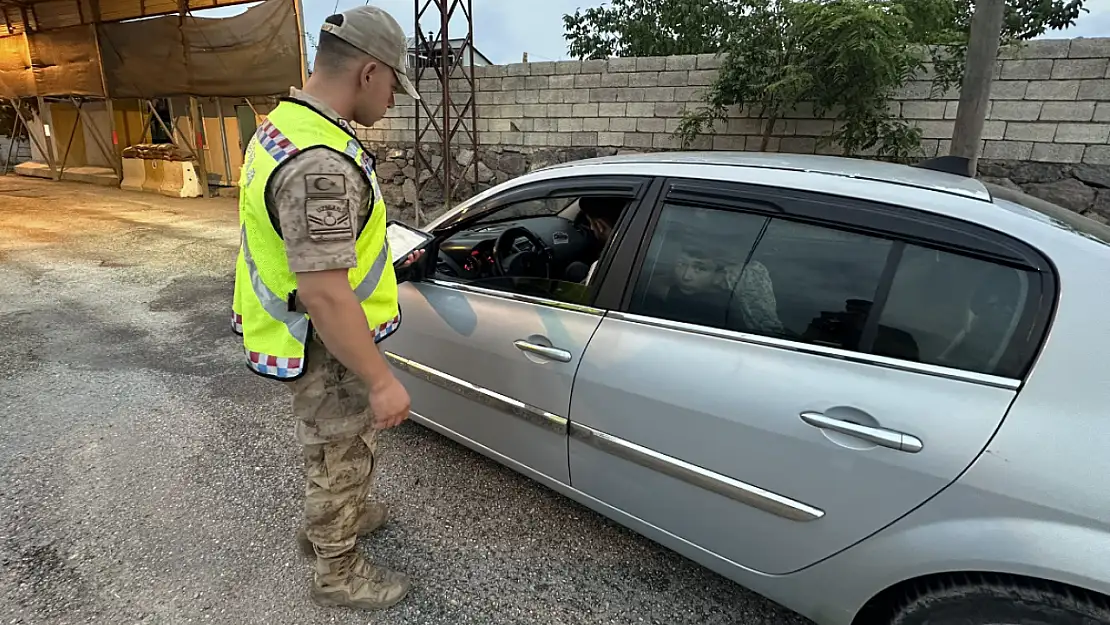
point(352, 582)
point(373, 516)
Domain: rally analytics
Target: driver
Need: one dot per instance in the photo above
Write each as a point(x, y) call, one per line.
point(601, 215)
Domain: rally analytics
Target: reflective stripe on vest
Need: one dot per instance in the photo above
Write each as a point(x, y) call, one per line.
point(297, 326)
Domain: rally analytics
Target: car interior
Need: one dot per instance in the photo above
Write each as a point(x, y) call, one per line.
point(543, 247)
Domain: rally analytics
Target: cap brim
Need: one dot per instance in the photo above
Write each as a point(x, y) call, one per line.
point(406, 85)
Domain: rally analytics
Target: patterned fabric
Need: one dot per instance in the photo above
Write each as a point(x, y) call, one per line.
point(272, 365)
point(383, 331)
point(275, 143)
point(236, 323)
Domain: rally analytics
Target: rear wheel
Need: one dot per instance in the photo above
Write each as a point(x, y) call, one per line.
point(990, 600)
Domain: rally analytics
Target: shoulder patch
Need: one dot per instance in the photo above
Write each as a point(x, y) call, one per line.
point(329, 219)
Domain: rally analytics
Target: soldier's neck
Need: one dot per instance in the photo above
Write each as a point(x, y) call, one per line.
point(331, 95)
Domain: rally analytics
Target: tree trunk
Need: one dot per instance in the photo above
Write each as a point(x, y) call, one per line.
point(768, 128)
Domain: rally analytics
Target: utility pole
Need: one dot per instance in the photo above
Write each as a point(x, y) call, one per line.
point(975, 90)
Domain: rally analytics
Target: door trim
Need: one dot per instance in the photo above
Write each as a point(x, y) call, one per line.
point(513, 407)
point(510, 295)
point(711, 481)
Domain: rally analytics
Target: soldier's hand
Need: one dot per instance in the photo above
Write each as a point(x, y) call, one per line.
point(389, 402)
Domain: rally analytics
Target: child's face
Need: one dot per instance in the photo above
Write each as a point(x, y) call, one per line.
point(694, 275)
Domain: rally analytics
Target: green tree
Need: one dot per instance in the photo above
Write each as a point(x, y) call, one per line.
point(846, 57)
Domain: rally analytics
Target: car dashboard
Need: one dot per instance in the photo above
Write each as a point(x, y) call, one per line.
point(469, 254)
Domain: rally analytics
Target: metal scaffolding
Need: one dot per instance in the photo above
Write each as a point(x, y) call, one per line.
point(435, 52)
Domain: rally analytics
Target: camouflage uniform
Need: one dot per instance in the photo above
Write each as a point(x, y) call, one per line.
point(334, 424)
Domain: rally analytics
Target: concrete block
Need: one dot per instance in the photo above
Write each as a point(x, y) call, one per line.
point(604, 94)
point(1015, 111)
point(518, 69)
point(585, 81)
point(1052, 90)
point(1083, 133)
point(1094, 90)
point(632, 94)
point(915, 90)
point(636, 140)
point(729, 142)
point(995, 130)
point(755, 144)
point(568, 67)
point(1057, 153)
point(681, 63)
point(689, 94)
point(1034, 69)
point(512, 138)
point(1008, 150)
point(622, 65)
point(814, 127)
point(651, 124)
point(563, 82)
point(659, 94)
point(559, 139)
point(744, 126)
point(702, 77)
point(576, 96)
point(537, 82)
point(595, 124)
point(500, 125)
point(510, 83)
point(484, 98)
point(622, 124)
point(1009, 89)
point(1041, 49)
point(1090, 48)
point(1102, 112)
point(527, 96)
point(709, 61)
point(936, 129)
point(546, 124)
point(560, 110)
point(651, 63)
point(536, 138)
point(522, 125)
point(670, 109)
point(489, 71)
point(535, 110)
point(489, 84)
point(673, 123)
point(1067, 111)
point(923, 109)
point(571, 124)
point(612, 109)
point(584, 139)
point(595, 66)
point(1063, 69)
point(640, 109)
point(589, 109)
point(798, 145)
point(615, 80)
point(643, 79)
point(540, 68)
point(664, 141)
point(510, 111)
point(1097, 155)
point(610, 139)
point(1030, 131)
point(930, 147)
point(552, 96)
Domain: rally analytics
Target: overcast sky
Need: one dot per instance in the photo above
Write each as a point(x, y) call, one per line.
point(505, 29)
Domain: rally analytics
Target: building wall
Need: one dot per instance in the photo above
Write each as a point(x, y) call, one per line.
point(1050, 104)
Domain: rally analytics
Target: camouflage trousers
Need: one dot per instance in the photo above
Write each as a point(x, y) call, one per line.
point(334, 428)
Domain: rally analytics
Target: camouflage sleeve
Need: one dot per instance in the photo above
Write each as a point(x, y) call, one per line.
point(319, 198)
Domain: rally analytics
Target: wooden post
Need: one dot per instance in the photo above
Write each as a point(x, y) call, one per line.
point(299, 9)
point(975, 90)
point(223, 139)
point(198, 138)
point(48, 136)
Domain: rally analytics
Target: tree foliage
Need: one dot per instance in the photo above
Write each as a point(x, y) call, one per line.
point(845, 57)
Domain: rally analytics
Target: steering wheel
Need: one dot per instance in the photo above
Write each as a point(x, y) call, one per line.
point(534, 263)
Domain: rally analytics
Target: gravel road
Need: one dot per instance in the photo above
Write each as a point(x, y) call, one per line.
point(147, 477)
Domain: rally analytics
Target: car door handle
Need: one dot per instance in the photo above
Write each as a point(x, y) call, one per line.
point(554, 353)
point(880, 436)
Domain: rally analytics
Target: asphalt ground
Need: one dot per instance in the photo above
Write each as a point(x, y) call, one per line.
point(147, 477)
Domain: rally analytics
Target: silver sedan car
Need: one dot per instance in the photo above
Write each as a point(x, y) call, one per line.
point(867, 391)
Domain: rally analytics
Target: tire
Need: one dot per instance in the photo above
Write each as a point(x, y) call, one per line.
point(999, 600)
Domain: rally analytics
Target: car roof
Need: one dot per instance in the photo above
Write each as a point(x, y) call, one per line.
point(878, 171)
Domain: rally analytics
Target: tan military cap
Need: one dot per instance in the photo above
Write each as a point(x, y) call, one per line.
point(376, 33)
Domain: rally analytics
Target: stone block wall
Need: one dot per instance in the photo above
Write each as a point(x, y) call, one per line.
point(1050, 104)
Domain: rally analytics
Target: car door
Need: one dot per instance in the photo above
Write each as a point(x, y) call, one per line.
point(846, 369)
point(493, 367)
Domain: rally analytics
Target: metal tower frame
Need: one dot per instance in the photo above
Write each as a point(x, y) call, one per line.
point(448, 118)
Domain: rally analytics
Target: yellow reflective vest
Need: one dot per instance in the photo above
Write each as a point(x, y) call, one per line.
point(263, 308)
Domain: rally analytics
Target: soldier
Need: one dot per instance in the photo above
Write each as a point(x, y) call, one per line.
point(313, 241)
